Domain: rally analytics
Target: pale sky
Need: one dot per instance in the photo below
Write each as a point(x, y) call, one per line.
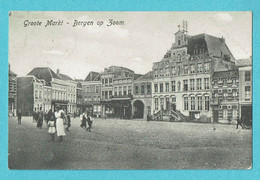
point(143, 39)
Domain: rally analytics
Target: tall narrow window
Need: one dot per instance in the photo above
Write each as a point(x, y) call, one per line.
point(185, 69)
point(142, 89)
point(206, 67)
point(156, 88)
point(200, 68)
point(124, 90)
point(115, 91)
point(192, 69)
point(192, 101)
point(200, 103)
point(167, 87)
point(247, 92)
point(173, 86)
point(192, 84)
point(198, 84)
point(156, 104)
point(185, 85)
point(148, 89)
point(206, 83)
point(206, 103)
point(136, 89)
point(186, 103)
point(247, 76)
point(161, 87)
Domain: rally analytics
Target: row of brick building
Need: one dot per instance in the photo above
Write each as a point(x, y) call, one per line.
point(198, 79)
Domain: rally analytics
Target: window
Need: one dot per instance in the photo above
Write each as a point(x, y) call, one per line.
point(198, 84)
point(110, 94)
point(155, 87)
point(142, 89)
point(87, 89)
point(162, 103)
point(155, 73)
point(179, 42)
point(192, 100)
point(192, 84)
point(247, 92)
point(225, 113)
point(247, 76)
point(124, 90)
point(173, 70)
point(106, 82)
point(115, 91)
point(179, 58)
point(179, 86)
point(224, 82)
point(192, 69)
point(97, 89)
point(186, 103)
point(199, 68)
point(185, 85)
point(206, 103)
point(206, 83)
point(161, 87)
point(148, 89)
point(206, 67)
point(234, 113)
point(156, 104)
point(185, 69)
point(167, 72)
point(173, 86)
point(136, 89)
point(161, 72)
point(200, 103)
point(36, 94)
point(129, 90)
point(110, 81)
point(120, 91)
point(167, 87)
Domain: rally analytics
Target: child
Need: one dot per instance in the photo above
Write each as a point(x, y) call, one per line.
point(52, 128)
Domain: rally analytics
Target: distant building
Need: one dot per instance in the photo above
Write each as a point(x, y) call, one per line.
point(245, 93)
point(12, 92)
point(225, 96)
point(182, 79)
point(71, 92)
point(79, 97)
point(58, 86)
point(116, 91)
point(142, 96)
point(29, 94)
point(91, 88)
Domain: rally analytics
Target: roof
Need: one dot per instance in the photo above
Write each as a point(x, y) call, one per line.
point(115, 69)
point(136, 76)
point(147, 76)
point(244, 62)
point(225, 74)
point(93, 76)
point(65, 77)
point(44, 73)
point(215, 46)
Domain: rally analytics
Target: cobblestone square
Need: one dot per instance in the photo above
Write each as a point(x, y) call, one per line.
point(130, 144)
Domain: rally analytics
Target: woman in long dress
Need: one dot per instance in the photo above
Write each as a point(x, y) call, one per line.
point(60, 115)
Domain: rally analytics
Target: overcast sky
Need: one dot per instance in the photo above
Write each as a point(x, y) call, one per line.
point(143, 39)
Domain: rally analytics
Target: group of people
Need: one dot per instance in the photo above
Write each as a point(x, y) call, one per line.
point(55, 121)
point(86, 118)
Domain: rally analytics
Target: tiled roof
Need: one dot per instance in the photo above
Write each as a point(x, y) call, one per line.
point(44, 73)
point(65, 77)
point(215, 46)
point(93, 76)
point(147, 76)
point(225, 74)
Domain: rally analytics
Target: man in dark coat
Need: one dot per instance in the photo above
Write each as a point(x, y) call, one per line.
point(68, 125)
point(40, 119)
point(19, 114)
point(89, 120)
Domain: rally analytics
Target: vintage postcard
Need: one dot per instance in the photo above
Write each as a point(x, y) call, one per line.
point(130, 90)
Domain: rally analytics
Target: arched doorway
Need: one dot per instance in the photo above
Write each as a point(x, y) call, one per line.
point(138, 109)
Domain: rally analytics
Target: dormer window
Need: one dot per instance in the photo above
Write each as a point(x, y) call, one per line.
point(179, 42)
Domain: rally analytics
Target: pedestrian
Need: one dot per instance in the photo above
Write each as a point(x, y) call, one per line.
point(51, 125)
point(84, 120)
point(19, 114)
point(34, 116)
point(40, 119)
point(90, 122)
point(49, 114)
point(68, 122)
point(60, 119)
point(74, 115)
point(239, 122)
point(148, 117)
point(37, 116)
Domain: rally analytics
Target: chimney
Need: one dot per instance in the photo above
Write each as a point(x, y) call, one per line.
point(58, 72)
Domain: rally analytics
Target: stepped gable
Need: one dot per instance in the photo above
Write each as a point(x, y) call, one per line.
point(44, 73)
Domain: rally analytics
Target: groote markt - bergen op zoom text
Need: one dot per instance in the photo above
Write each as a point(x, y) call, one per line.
point(110, 22)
